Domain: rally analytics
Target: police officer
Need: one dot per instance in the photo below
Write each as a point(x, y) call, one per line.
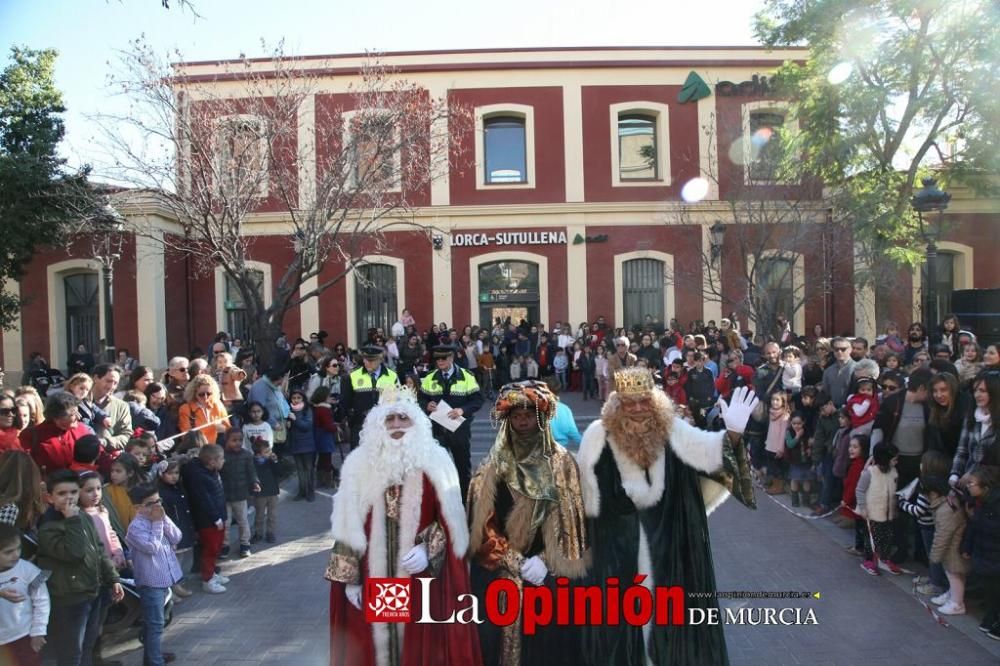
point(361, 393)
point(457, 387)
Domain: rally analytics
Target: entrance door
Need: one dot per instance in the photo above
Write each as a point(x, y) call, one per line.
point(508, 289)
point(82, 312)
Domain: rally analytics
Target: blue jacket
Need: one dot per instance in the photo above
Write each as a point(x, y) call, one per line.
point(267, 394)
point(175, 505)
point(205, 494)
point(300, 433)
point(564, 428)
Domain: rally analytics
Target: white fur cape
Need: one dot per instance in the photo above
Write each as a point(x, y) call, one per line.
point(696, 448)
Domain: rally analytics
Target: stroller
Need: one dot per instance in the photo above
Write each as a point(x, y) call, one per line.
point(45, 379)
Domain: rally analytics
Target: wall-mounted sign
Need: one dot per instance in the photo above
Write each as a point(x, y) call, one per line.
point(508, 295)
point(755, 87)
point(599, 238)
point(694, 88)
point(510, 238)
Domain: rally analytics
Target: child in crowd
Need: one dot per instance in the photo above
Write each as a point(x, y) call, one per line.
point(125, 475)
point(24, 603)
point(143, 418)
point(325, 436)
point(561, 363)
point(791, 375)
point(800, 461)
point(208, 508)
point(934, 466)
point(151, 538)
point(256, 425)
point(86, 451)
point(863, 406)
point(822, 452)
point(139, 449)
point(239, 479)
point(91, 492)
point(91, 415)
point(531, 368)
point(175, 505)
point(189, 444)
point(876, 503)
point(892, 362)
point(601, 373)
point(265, 501)
point(970, 363)
point(774, 444)
point(69, 547)
point(842, 463)
point(980, 545)
point(949, 528)
point(302, 445)
point(675, 390)
point(857, 451)
point(516, 369)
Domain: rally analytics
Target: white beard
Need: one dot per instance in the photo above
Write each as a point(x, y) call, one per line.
point(393, 459)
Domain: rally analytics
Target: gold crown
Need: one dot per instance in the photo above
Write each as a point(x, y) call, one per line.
point(394, 395)
point(633, 381)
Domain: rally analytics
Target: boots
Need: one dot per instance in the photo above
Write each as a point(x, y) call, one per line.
point(776, 487)
point(796, 498)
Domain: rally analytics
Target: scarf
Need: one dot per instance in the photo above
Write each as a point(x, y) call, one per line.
point(984, 419)
point(522, 461)
point(775, 442)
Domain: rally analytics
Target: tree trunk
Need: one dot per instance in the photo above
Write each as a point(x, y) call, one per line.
point(265, 335)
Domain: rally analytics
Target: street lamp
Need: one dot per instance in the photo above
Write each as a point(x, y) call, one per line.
point(925, 202)
point(107, 225)
point(717, 233)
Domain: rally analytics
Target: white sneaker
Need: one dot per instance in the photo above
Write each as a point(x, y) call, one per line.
point(941, 599)
point(951, 608)
point(212, 587)
point(220, 579)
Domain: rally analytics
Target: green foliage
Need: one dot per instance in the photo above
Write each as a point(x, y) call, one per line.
point(918, 96)
point(38, 198)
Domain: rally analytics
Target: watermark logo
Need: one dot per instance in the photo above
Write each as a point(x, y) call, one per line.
point(388, 600)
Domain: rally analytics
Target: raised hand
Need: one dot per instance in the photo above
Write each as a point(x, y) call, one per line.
point(737, 413)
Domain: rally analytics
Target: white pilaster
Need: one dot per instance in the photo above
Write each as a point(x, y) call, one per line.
point(13, 349)
point(708, 146)
point(440, 154)
point(573, 148)
point(441, 282)
point(309, 311)
point(151, 307)
point(864, 299)
point(711, 307)
point(576, 275)
point(307, 152)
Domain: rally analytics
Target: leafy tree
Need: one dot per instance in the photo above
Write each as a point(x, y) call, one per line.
point(40, 201)
point(891, 89)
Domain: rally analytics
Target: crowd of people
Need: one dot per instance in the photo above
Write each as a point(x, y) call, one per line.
point(897, 438)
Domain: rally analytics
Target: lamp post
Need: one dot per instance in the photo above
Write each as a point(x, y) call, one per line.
point(717, 233)
point(107, 225)
point(925, 202)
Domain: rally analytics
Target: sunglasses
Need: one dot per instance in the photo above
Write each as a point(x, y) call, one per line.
point(7, 411)
point(204, 395)
point(841, 349)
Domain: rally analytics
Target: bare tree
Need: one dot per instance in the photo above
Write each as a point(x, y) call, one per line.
point(769, 221)
point(220, 149)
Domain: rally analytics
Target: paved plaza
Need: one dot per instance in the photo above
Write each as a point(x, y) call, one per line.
point(275, 611)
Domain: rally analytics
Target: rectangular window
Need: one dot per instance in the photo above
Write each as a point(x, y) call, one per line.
point(637, 158)
point(243, 156)
point(237, 321)
point(775, 288)
point(374, 146)
point(505, 147)
point(764, 144)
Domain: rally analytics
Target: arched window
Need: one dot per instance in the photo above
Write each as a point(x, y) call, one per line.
point(82, 311)
point(944, 275)
point(642, 291)
point(637, 158)
point(237, 321)
point(505, 147)
point(375, 298)
point(508, 290)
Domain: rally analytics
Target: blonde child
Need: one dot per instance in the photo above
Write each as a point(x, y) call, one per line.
point(774, 444)
point(949, 528)
point(91, 415)
point(970, 363)
point(515, 369)
point(876, 504)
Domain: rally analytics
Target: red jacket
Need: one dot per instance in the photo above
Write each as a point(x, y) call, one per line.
point(851, 485)
point(9, 440)
point(50, 446)
point(725, 383)
point(675, 392)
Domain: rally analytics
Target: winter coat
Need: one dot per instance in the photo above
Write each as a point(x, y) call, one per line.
point(267, 474)
point(945, 437)
point(982, 536)
point(193, 416)
point(949, 528)
point(205, 494)
point(324, 428)
point(849, 498)
point(50, 446)
point(841, 455)
point(175, 505)
point(823, 437)
point(875, 493)
point(72, 550)
point(143, 418)
point(971, 447)
point(238, 475)
point(301, 438)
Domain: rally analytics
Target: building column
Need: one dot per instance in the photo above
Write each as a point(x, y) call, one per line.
point(440, 154)
point(441, 281)
point(711, 307)
point(708, 145)
point(308, 311)
point(151, 307)
point(13, 348)
point(576, 275)
point(573, 143)
point(864, 299)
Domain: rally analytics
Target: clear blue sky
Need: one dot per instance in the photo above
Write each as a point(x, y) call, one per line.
point(88, 33)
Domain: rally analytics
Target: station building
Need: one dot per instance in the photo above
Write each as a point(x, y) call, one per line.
point(571, 207)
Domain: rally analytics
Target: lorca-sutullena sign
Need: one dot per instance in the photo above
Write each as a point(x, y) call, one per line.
point(510, 238)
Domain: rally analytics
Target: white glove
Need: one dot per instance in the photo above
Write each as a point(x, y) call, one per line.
point(953, 480)
point(353, 594)
point(533, 570)
point(737, 412)
point(415, 561)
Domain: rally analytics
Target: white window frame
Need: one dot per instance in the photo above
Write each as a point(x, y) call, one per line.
point(222, 124)
point(790, 126)
point(669, 298)
point(526, 113)
point(397, 156)
point(963, 276)
point(661, 113)
point(798, 282)
point(220, 290)
point(351, 287)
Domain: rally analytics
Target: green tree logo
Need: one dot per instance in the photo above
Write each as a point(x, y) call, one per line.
point(694, 88)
